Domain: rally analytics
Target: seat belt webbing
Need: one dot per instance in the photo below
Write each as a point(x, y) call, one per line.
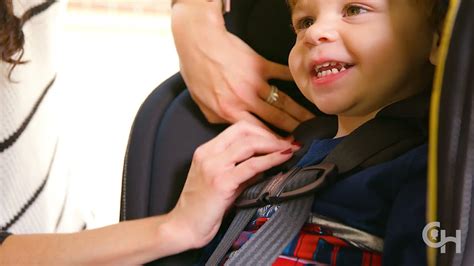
point(270, 239)
point(241, 219)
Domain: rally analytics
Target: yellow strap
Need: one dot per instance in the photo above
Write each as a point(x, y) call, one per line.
point(434, 121)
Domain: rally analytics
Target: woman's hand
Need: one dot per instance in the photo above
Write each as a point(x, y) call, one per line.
point(219, 172)
point(226, 78)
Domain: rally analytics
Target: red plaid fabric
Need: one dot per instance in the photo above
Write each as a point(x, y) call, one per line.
point(314, 245)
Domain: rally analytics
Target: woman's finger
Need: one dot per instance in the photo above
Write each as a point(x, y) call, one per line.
point(275, 116)
point(255, 165)
point(277, 71)
point(285, 103)
point(234, 133)
point(252, 119)
point(250, 146)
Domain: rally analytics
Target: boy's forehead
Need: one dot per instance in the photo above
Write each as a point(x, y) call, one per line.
point(433, 10)
point(422, 3)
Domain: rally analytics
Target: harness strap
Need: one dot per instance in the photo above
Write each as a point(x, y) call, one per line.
point(364, 148)
point(265, 193)
point(241, 219)
point(268, 242)
point(350, 155)
point(270, 239)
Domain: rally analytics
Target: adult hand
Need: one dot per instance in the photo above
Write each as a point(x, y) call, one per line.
point(226, 78)
point(219, 172)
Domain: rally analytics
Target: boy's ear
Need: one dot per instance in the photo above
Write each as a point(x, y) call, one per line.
point(435, 49)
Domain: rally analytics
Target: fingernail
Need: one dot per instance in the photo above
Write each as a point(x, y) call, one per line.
point(289, 151)
point(296, 143)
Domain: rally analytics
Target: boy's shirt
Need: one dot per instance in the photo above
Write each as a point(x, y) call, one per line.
point(376, 215)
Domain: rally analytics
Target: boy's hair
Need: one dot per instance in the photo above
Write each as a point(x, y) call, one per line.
point(436, 10)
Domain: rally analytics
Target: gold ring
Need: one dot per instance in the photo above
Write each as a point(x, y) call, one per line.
point(273, 95)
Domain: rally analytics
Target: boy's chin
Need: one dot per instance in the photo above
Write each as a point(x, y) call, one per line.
point(341, 111)
point(330, 109)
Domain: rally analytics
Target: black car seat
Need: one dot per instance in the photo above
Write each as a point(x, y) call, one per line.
point(169, 126)
point(169, 114)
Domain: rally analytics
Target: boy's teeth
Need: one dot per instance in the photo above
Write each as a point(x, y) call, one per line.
point(329, 72)
point(335, 68)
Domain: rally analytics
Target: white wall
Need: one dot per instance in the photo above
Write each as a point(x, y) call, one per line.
point(111, 61)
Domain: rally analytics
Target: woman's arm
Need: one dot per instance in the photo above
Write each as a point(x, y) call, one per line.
point(220, 170)
point(227, 78)
point(132, 242)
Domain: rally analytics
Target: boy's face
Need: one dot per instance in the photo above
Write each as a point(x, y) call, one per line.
point(354, 57)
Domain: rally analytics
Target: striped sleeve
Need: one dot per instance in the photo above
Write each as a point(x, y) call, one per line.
point(3, 236)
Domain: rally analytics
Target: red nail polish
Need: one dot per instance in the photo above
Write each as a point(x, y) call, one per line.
point(296, 143)
point(289, 151)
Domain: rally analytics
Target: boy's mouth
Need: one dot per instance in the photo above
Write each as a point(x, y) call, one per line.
point(330, 68)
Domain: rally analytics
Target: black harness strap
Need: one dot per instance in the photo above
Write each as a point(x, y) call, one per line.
point(363, 148)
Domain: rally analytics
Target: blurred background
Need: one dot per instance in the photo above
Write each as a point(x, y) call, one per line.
point(115, 52)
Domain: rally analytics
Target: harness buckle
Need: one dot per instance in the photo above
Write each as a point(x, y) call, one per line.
point(295, 183)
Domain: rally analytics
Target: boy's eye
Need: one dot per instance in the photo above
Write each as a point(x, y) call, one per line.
point(304, 23)
point(354, 10)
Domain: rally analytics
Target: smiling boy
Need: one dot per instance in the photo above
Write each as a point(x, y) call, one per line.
point(352, 59)
point(379, 51)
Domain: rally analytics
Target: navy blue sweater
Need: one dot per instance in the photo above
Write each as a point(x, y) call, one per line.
point(387, 200)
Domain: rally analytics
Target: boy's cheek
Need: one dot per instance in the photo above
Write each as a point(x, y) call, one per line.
point(290, 59)
point(294, 60)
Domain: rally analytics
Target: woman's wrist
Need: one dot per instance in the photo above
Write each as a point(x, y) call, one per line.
point(225, 4)
point(170, 237)
point(192, 21)
point(191, 13)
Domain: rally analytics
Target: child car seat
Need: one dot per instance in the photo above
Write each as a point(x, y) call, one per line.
point(156, 164)
point(161, 145)
point(169, 113)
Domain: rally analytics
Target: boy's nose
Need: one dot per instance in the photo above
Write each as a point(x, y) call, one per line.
point(320, 33)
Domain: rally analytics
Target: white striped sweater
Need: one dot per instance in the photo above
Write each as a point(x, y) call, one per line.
point(33, 176)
